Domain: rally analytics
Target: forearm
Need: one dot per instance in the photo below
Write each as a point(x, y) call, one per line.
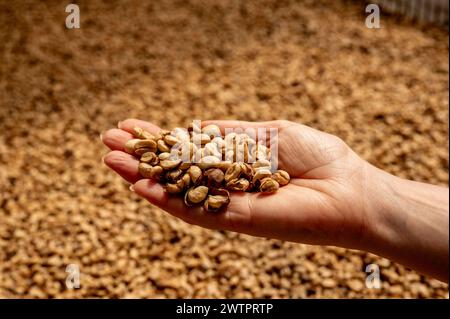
point(411, 223)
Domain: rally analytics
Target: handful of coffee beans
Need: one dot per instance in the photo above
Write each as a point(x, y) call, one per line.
point(203, 165)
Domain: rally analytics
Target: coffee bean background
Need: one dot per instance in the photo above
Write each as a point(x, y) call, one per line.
point(384, 91)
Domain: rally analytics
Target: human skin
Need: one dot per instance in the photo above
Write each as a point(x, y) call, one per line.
point(334, 198)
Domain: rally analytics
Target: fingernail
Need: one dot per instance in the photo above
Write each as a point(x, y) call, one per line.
point(103, 159)
point(119, 124)
point(101, 137)
point(132, 188)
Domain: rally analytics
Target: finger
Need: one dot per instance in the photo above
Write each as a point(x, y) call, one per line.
point(123, 164)
point(129, 124)
point(116, 138)
point(235, 217)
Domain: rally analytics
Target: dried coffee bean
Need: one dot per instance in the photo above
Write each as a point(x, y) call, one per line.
point(171, 140)
point(261, 163)
point(181, 134)
point(170, 164)
point(260, 152)
point(233, 172)
point(195, 195)
point(194, 128)
point(214, 203)
point(143, 134)
point(163, 147)
point(141, 151)
point(195, 173)
point(208, 162)
point(174, 175)
point(150, 158)
point(261, 174)
point(212, 131)
point(201, 139)
point(173, 188)
point(246, 171)
point(145, 170)
point(211, 149)
point(282, 177)
point(164, 156)
point(223, 165)
point(230, 156)
point(161, 134)
point(130, 145)
point(187, 151)
point(240, 184)
point(157, 173)
point(145, 144)
point(220, 143)
point(219, 191)
point(185, 165)
point(184, 182)
point(268, 185)
point(213, 177)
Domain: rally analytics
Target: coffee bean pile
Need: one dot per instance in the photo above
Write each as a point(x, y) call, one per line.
point(384, 91)
point(203, 165)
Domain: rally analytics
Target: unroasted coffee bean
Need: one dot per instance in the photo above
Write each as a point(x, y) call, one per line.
point(213, 177)
point(233, 172)
point(164, 156)
point(214, 203)
point(145, 170)
point(211, 149)
point(173, 188)
point(157, 173)
point(195, 173)
point(181, 134)
point(130, 145)
point(163, 147)
point(185, 165)
point(161, 134)
point(201, 139)
point(212, 131)
point(170, 164)
point(219, 191)
point(174, 175)
point(282, 177)
point(195, 195)
point(261, 163)
point(208, 162)
point(145, 144)
point(143, 134)
point(141, 151)
point(261, 174)
point(170, 140)
point(150, 158)
point(246, 171)
point(240, 184)
point(184, 182)
point(194, 128)
point(268, 185)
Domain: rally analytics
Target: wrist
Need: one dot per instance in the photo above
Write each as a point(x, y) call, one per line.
point(407, 222)
point(380, 209)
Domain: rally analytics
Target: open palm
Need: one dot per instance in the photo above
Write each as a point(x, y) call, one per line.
point(323, 204)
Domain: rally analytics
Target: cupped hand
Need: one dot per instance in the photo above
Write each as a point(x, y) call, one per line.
point(325, 202)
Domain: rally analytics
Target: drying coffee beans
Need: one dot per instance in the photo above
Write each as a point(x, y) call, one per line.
point(203, 165)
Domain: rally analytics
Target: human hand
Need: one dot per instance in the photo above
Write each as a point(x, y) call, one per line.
point(325, 202)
